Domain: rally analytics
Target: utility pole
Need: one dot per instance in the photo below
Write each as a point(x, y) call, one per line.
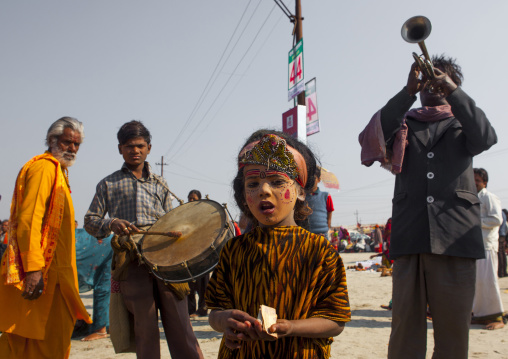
point(297, 20)
point(356, 214)
point(162, 164)
point(299, 35)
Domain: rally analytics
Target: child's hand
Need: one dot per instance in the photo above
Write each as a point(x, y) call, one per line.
point(283, 328)
point(237, 326)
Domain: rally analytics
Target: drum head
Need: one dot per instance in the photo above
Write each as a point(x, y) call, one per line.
point(201, 223)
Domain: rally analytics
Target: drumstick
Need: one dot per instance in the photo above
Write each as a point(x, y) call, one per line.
point(172, 234)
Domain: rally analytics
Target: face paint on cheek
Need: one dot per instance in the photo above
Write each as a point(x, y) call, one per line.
point(249, 196)
point(286, 195)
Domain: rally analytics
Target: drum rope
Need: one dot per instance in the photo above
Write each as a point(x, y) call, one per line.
point(166, 187)
point(135, 245)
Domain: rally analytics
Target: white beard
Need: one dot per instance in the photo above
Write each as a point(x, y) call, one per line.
point(66, 159)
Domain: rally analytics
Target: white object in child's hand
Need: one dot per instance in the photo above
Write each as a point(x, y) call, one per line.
point(267, 316)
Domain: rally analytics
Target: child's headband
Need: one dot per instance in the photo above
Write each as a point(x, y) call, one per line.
point(273, 152)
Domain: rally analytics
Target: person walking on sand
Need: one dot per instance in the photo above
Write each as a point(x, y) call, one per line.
point(487, 304)
point(38, 285)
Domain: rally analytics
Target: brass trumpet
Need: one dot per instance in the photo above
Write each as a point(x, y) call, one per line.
point(416, 30)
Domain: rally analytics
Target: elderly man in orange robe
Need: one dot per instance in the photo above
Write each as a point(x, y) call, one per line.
point(38, 278)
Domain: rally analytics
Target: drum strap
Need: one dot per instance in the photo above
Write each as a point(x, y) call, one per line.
point(124, 253)
point(126, 250)
point(166, 187)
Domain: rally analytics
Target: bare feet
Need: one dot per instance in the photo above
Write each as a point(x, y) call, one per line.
point(95, 336)
point(494, 325)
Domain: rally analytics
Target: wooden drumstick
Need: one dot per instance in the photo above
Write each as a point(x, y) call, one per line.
point(172, 234)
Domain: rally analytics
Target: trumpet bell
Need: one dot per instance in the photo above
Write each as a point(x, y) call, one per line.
point(416, 29)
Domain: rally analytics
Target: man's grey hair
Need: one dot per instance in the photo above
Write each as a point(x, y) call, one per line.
point(58, 127)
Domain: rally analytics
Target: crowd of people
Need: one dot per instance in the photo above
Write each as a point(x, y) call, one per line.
point(447, 244)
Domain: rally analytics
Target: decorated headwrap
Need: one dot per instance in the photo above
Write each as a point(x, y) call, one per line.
point(274, 153)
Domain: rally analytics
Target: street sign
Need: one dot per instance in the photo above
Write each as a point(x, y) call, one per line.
point(312, 109)
point(293, 123)
point(296, 82)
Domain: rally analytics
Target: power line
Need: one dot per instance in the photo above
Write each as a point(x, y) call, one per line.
point(196, 172)
point(195, 138)
point(376, 184)
point(199, 179)
point(232, 91)
point(284, 9)
point(492, 153)
point(190, 135)
point(198, 103)
point(224, 86)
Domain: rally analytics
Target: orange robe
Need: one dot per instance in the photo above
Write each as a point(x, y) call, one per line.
point(28, 320)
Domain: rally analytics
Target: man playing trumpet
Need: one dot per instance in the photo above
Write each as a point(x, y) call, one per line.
point(436, 236)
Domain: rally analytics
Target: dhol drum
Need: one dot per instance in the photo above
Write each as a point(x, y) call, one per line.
point(206, 227)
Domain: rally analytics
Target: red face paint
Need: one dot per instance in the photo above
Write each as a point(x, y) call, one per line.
point(263, 185)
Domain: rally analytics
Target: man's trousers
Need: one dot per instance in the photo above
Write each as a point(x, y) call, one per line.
point(447, 285)
point(144, 296)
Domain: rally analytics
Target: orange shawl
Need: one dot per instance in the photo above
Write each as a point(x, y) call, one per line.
point(12, 265)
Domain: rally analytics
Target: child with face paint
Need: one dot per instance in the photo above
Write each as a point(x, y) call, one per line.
point(277, 263)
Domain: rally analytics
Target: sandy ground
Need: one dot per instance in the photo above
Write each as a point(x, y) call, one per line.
point(366, 336)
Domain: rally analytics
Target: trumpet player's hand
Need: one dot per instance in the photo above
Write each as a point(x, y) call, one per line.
point(443, 82)
point(414, 83)
point(123, 227)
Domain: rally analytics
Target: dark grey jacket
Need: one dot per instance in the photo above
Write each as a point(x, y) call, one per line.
point(435, 204)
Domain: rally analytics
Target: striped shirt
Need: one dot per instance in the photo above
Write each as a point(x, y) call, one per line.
point(121, 195)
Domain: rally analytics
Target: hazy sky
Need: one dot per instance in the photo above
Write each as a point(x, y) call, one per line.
point(108, 62)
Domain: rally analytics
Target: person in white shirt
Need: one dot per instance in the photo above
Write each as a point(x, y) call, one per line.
point(487, 304)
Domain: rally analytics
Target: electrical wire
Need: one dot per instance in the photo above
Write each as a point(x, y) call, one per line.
point(198, 179)
point(220, 71)
point(198, 103)
point(284, 9)
point(224, 86)
point(195, 138)
point(207, 176)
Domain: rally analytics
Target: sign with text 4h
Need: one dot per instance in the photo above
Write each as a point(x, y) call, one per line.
point(311, 104)
point(295, 74)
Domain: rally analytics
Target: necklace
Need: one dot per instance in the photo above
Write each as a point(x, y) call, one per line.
point(66, 177)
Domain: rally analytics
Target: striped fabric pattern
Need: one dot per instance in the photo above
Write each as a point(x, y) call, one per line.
point(290, 269)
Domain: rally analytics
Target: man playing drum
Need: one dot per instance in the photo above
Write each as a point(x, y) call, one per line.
point(135, 198)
